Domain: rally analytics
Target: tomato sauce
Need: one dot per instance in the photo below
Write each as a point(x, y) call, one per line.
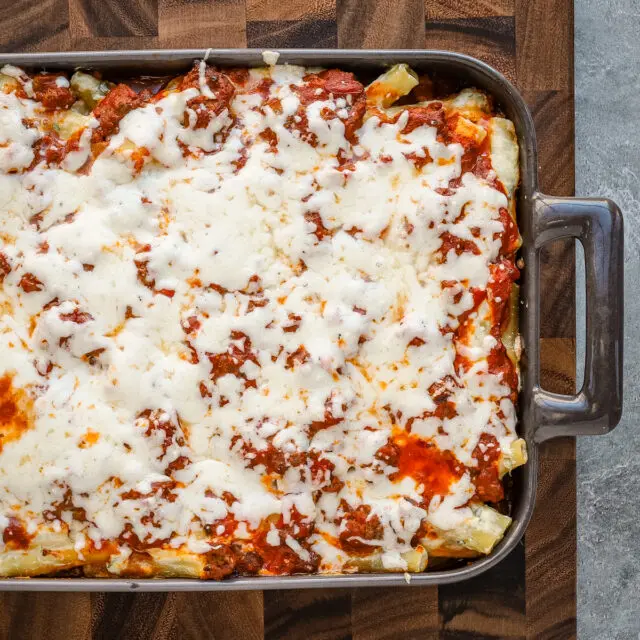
point(510, 236)
point(479, 296)
point(206, 107)
point(231, 362)
point(5, 267)
point(49, 94)
point(423, 461)
point(15, 536)
point(263, 88)
point(298, 357)
point(431, 115)
point(499, 364)
point(229, 524)
point(269, 136)
point(273, 460)
point(321, 232)
point(154, 422)
point(322, 474)
point(112, 108)
point(282, 559)
point(503, 275)
point(16, 411)
point(459, 245)
point(76, 316)
point(129, 538)
point(321, 86)
point(29, 283)
point(358, 524)
point(329, 420)
point(419, 161)
point(486, 477)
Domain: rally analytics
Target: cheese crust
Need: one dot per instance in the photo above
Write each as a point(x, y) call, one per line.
point(253, 321)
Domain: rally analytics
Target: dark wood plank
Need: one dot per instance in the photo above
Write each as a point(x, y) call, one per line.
point(219, 616)
point(35, 25)
point(544, 33)
point(198, 23)
point(323, 614)
point(267, 10)
point(551, 554)
point(447, 10)
point(491, 38)
point(558, 299)
point(395, 614)
point(177, 616)
point(114, 18)
point(553, 116)
point(557, 369)
point(380, 24)
point(489, 606)
point(138, 616)
point(278, 34)
point(55, 616)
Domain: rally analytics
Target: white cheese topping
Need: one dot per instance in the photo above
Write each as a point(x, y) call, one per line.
point(324, 281)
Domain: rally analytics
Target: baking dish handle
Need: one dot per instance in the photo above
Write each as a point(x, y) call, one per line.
point(596, 408)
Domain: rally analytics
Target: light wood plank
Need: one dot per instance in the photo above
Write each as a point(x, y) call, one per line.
point(380, 24)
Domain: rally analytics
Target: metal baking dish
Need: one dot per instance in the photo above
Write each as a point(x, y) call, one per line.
point(597, 223)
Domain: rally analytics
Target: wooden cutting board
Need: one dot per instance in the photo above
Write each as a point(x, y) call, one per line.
point(532, 593)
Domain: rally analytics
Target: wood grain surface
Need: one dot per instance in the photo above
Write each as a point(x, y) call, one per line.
point(532, 593)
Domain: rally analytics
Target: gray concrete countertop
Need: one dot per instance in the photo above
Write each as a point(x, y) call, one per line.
point(607, 77)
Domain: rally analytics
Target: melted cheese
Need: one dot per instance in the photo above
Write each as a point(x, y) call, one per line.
point(241, 253)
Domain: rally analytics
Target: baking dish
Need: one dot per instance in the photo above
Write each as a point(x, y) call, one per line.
point(543, 415)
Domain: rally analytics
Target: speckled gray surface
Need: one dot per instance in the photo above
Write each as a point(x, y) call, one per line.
point(607, 63)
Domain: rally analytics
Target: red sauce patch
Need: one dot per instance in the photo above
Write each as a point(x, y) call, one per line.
point(231, 362)
point(191, 324)
point(298, 357)
point(269, 136)
point(321, 86)
point(432, 116)
point(282, 559)
point(427, 465)
point(329, 419)
point(156, 421)
point(499, 364)
point(49, 94)
point(293, 323)
point(263, 88)
point(419, 161)
point(321, 231)
point(77, 316)
point(29, 283)
point(206, 107)
point(111, 109)
point(359, 525)
point(322, 474)
point(486, 476)
point(271, 458)
point(239, 76)
point(16, 411)
point(15, 536)
point(510, 236)
point(503, 275)
point(459, 245)
point(5, 267)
